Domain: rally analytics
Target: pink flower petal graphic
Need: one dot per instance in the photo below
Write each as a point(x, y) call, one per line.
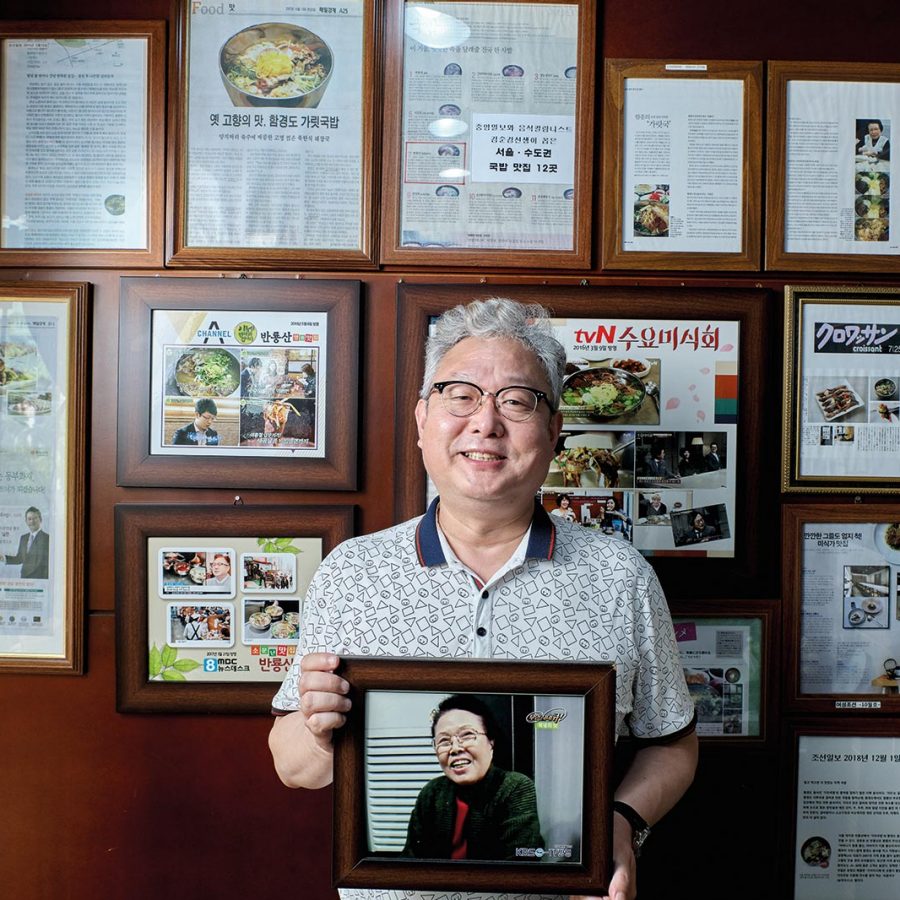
point(673, 403)
point(701, 416)
point(696, 398)
point(705, 371)
point(692, 387)
point(727, 347)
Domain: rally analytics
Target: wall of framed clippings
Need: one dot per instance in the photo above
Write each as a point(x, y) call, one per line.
point(259, 207)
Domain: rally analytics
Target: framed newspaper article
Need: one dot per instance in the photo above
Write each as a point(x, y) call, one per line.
point(829, 128)
point(250, 382)
point(209, 600)
point(667, 463)
point(95, 93)
point(842, 571)
point(519, 725)
point(842, 841)
point(842, 389)
point(43, 404)
point(487, 147)
point(682, 165)
point(271, 135)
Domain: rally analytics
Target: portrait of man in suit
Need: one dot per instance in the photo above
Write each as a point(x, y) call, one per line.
point(34, 548)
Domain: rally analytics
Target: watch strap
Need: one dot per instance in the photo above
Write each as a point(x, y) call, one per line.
point(640, 830)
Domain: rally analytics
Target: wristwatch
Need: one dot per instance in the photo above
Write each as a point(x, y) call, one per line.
point(640, 830)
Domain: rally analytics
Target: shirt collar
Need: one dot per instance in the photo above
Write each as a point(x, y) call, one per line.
point(428, 542)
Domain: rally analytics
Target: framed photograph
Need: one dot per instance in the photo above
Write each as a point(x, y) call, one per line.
point(272, 135)
point(496, 734)
point(829, 128)
point(238, 371)
point(43, 419)
point(665, 457)
point(95, 93)
point(844, 778)
point(682, 165)
point(842, 567)
point(194, 632)
point(727, 656)
point(842, 390)
point(487, 139)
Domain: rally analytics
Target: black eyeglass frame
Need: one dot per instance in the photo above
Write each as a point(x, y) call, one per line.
point(439, 386)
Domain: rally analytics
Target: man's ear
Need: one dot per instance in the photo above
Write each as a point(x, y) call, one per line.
point(421, 413)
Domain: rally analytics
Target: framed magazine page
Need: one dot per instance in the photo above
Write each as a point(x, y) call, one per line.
point(239, 372)
point(95, 93)
point(210, 600)
point(43, 417)
point(271, 137)
point(487, 147)
point(727, 657)
point(392, 763)
point(682, 165)
point(667, 464)
point(842, 569)
point(842, 840)
point(829, 128)
point(842, 390)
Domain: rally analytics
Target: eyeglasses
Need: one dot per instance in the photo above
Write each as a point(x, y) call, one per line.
point(464, 740)
point(208, 417)
point(464, 399)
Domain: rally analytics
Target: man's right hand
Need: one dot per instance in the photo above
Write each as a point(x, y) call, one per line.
point(323, 696)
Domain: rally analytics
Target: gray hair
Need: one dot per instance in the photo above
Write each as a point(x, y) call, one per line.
point(498, 317)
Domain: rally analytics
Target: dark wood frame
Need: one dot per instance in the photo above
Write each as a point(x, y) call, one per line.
point(592, 682)
point(75, 295)
point(179, 253)
point(794, 518)
point(139, 298)
point(155, 35)
point(613, 256)
point(791, 480)
point(780, 73)
point(579, 257)
point(134, 524)
point(768, 613)
point(749, 573)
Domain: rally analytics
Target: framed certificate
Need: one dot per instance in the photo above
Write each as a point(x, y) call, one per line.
point(43, 403)
point(829, 128)
point(210, 599)
point(842, 390)
point(842, 569)
point(81, 132)
point(238, 371)
point(682, 164)
point(271, 137)
point(487, 158)
point(512, 727)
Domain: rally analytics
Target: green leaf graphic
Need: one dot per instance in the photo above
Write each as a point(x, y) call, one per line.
point(186, 665)
point(155, 661)
point(169, 675)
point(169, 655)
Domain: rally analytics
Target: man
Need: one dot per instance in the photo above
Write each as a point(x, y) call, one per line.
point(34, 548)
point(460, 579)
point(199, 433)
point(250, 375)
point(658, 466)
point(656, 507)
point(701, 532)
point(221, 572)
point(713, 460)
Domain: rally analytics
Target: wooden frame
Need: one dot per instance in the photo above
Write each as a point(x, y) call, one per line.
point(135, 525)
point(392, 249)
point(151, 254)
point(831, 779)
point(179, 252)
point(747, 574)
point(591, 683)
point(64, 656)
point(780, 73)
point(883, 698)
point(616, 73)
point(337, 300)
point(866, 402)
point(765, 612)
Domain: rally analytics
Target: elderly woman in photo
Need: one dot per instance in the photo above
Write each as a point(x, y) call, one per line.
point(475, 810)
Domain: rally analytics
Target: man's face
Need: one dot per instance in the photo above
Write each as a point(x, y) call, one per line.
point(203, 421)
point(699, 523)
point(486, 457)
point(656, 500)
point(33, 521)
point(219, 567)
point(463, 765)
point(874, 131)
point(713, 448)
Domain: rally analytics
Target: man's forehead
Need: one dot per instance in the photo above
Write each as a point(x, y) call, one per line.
point(510, 361)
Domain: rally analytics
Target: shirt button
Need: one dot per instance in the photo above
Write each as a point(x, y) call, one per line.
point(484, 595)
point(481, 631)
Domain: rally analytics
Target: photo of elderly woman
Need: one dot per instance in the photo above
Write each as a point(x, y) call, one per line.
point(477, 776)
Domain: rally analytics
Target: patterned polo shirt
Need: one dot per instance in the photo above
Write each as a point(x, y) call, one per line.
point(567, 593)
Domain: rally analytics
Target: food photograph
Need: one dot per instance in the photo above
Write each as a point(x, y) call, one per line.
point(189, 571)
point(616, 390)
point(265, 621)
point(833, 398)
point(651, 210)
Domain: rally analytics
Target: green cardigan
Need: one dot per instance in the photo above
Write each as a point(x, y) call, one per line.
point(502, 816)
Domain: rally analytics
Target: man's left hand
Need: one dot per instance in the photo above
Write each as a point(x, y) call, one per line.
point(623, 885)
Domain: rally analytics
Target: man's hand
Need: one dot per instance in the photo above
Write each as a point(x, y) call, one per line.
point(323, 699)
point(623, 885)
